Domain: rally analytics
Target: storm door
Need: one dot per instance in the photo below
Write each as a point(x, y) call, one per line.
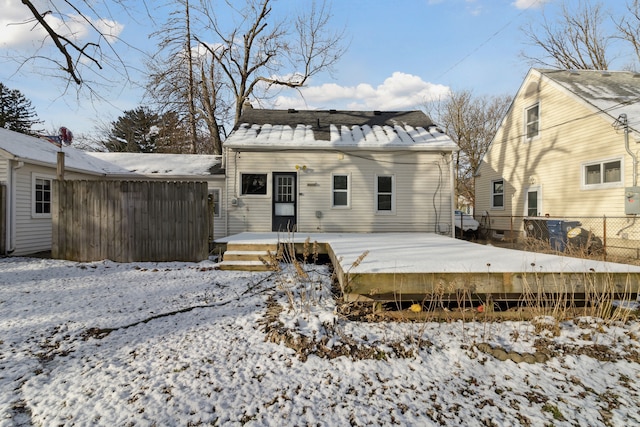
point(284, 201)
point(533, 202)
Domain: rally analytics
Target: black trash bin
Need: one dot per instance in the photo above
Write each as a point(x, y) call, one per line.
point(558, 230)
point(580, 239)
point(550, 230)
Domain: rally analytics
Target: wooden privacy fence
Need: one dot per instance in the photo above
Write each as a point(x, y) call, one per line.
point(128, 221)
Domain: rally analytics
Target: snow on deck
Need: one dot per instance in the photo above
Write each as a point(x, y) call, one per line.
point(432, 253)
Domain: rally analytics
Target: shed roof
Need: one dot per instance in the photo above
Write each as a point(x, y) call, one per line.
point(160, 164)
point(30, 149)
point(337, 129)
point(612, 92)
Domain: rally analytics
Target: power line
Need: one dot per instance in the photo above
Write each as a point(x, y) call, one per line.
point(481, 45)
point(576, 119)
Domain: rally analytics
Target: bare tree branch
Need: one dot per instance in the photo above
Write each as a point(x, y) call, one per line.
point(75, 58)
point(61, 43)
point(629, 27)
point(575, 41)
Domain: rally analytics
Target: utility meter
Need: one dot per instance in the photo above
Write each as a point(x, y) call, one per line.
point(632, 200)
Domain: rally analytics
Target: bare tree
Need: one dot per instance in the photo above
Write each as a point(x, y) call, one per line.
point(259, 52)
point(629, 27)
point(190, 80)
point(471, 122)
point(576, 40)
point(75, 56)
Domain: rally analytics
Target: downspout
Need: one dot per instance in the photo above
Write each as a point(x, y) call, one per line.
point(623, 120)
point(11, 206)
point(225, 153)
point(453, 197)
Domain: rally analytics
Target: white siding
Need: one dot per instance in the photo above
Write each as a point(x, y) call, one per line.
point(31, 234)
point(422, 185)
point(4, 166)
point(219, 223)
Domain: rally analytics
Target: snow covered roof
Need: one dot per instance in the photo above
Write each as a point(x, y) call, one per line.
point(21, 147)
point(612, 92)
point(29, 149)
point(333, 129)
point(155, 164)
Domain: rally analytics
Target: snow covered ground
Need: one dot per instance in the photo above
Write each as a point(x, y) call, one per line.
point(185, 344)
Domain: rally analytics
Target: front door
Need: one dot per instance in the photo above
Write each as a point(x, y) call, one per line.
point(284, 201)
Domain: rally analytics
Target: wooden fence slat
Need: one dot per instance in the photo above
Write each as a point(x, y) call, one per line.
point(55, 219)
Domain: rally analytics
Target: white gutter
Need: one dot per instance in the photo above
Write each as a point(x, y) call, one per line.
point(53, 165)
point(623, 119)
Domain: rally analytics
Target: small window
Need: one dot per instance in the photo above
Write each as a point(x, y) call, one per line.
point(497, 194)
point(385, 202)
point(340, 191)
point(254, 183)
point(603, 174)
point(214, 197)
point(532, 117)
point(42, 192)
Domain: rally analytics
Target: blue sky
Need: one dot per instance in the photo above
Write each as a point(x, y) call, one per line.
point(401, 53)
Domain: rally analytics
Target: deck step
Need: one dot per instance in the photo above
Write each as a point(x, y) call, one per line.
point(245, 255)
point(243, 266)
point(272, 247)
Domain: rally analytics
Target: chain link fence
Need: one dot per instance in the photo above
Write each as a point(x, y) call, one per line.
point(599, 237)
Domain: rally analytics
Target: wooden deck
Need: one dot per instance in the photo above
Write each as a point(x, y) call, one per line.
point(414, 267)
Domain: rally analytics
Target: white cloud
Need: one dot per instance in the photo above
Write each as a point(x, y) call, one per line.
point(19, 30)
point(526, 4)
point(111, 30)
point(400, 91)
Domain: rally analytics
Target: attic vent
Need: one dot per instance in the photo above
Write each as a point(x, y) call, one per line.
point(606, 74)
point(377, 112)
point(292, 110)
point(332, 111)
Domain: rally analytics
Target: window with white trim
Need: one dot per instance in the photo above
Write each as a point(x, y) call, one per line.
point(214, 197)
point(41, 199)
point(385, 194)
point(532, 121)
point(603, 174)
point(340, 191)
point(497, 194)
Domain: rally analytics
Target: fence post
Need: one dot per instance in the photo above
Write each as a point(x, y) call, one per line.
point(511, 232)
point(604, 237)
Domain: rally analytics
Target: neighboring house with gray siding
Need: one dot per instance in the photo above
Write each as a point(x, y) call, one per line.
point(338, 171)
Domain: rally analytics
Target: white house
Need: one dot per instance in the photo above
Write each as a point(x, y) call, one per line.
point(338, 171)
